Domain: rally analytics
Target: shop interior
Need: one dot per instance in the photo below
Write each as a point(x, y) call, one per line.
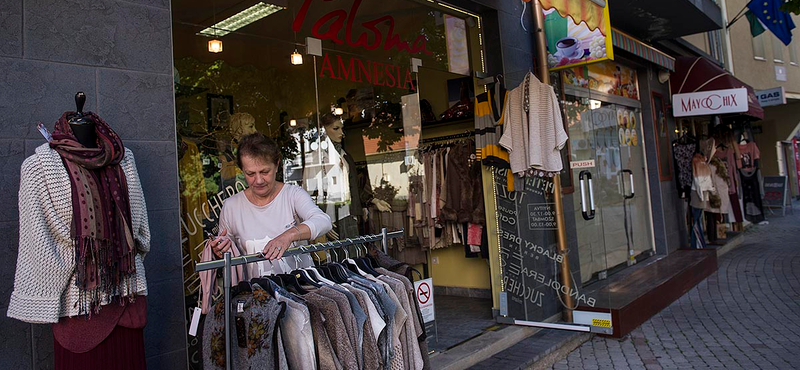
point(364, 127)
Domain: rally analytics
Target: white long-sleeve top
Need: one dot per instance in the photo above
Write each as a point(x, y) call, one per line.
point(44, 282)
point(251, 227)
point(534, 139)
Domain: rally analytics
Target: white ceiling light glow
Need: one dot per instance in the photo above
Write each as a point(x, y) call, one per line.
point(241, 19)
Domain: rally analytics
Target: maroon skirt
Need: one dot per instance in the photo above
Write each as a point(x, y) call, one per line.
point(123, 349)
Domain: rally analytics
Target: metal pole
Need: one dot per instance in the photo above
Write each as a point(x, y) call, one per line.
point(227, 287)
point(385, 240)
point(544, 76)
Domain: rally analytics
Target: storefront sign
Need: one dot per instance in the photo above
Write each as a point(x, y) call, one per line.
point(589, 163)
point(775, 191)
point(376, 73)
point(774, 96)
point(577, 33)
point(423, 290)
point(709, 102)
point(329, 27)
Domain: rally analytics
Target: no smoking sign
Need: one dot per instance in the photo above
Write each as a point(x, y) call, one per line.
point(424, 295)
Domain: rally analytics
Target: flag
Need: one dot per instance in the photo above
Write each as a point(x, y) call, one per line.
point(756, 28)
point(777, 21)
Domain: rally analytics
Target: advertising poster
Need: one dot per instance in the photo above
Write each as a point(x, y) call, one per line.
point(578, 32)
point(608, 78)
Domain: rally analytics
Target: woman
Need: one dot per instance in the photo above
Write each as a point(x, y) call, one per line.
point(266, 217)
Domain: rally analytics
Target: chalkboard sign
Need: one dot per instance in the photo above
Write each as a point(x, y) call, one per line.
point(528, 249)
point(775, 192)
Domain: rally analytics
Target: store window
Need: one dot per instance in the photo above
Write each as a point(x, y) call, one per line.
point(758, 47)
point(359, 124)
point(777, 50)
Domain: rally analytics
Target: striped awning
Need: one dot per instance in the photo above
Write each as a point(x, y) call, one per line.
point(638, 48)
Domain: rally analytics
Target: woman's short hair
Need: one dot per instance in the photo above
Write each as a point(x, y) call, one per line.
point(259, 146)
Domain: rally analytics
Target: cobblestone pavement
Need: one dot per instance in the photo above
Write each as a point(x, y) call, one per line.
point(745, 316)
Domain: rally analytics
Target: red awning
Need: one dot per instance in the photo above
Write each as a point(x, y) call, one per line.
point(694, 74)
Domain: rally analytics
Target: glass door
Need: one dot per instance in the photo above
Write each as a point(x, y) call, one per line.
point(612, 211)
point(585, 120)
point(625, 216)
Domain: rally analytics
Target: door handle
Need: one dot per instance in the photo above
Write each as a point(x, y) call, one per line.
point(586, 178)
point(630, 174)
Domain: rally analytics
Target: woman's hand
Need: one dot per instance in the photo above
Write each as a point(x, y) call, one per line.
point(221, 245)
point(278, 246)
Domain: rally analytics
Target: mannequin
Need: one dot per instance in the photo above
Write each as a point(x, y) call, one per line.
point(97, 306)
point(239, 125)
point(83, 126)
point(360, 195)
point(748, 164)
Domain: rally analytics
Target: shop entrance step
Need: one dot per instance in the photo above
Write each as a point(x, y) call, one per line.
point(641, 291)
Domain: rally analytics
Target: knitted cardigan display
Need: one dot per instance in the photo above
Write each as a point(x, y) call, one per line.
point(44, 283)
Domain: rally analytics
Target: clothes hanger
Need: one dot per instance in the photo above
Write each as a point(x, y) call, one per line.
point(317, 275)
point(291, 282)
point(352, 263)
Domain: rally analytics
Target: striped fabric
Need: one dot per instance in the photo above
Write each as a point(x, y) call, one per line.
point(638, 48)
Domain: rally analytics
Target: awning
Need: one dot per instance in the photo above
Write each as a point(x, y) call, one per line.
point(694, 74)
point(642, 50)
point(653, 20)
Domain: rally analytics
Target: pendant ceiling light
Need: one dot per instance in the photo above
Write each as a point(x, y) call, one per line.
point(215, 46)
point(296, 58)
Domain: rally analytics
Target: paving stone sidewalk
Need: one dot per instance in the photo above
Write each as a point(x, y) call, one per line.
point(745, 316)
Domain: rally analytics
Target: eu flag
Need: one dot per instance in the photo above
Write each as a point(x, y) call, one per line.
point(779, 22)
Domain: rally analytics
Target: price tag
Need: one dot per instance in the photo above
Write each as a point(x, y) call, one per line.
point(195, 321)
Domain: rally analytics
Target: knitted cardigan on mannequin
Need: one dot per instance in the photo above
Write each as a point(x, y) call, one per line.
point(44, 283)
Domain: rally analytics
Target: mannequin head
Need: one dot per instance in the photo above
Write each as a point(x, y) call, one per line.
point(241, 124)
point(334, 127)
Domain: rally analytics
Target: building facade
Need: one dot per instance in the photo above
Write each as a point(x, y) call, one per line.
point(145, 68)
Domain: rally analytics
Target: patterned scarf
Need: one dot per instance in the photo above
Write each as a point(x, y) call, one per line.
point(101, 215)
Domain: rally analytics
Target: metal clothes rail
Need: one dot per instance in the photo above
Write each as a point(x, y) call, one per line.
point(227, 262)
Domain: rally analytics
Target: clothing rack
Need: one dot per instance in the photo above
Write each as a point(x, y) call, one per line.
point(448, 137)
point(227, 262)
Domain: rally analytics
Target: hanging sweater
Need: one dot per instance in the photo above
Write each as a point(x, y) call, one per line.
point(534, 139)
point(44, 284)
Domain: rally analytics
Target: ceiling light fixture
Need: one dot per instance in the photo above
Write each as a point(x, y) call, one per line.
point(296, 58)
point(293, 123)
point(338, 111)
point(241, 19)
point(215, 46)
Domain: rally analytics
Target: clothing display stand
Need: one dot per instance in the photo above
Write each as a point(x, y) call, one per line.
point(227, 262)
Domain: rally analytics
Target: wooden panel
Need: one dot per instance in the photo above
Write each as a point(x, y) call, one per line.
point(636, 295)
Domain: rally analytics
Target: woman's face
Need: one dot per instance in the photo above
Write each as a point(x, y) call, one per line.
point(260, 175)
point(335, 131)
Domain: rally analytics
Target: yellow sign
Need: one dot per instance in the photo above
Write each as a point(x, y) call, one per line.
point(578, 32)
point(601, 323)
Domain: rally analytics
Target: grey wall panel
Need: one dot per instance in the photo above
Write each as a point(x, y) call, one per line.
point(109, 33)
point(11, 28)
point(36, 91)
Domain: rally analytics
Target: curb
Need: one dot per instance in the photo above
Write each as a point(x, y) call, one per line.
point(480, 348)
point(558, 352)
